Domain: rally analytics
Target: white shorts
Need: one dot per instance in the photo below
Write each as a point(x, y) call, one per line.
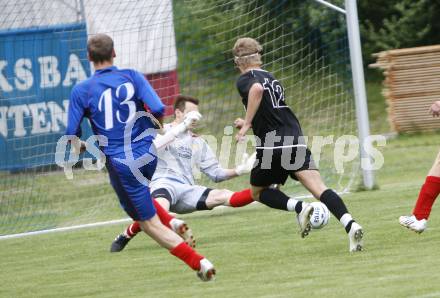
point(183, 198)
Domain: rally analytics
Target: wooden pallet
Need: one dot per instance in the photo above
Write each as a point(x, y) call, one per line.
point(411, 85)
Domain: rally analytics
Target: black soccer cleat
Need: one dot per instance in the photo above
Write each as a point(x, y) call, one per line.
point(119, 243)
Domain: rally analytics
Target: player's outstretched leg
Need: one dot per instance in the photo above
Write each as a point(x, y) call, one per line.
point(427, 195)
point(240, 198)
point(276, 199)
point(311, 179)
point(337, 207)
point(418, 221)
point(225, 197)
point(170, 240)
point(177, 225)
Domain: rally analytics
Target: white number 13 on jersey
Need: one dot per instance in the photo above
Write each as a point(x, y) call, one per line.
point(106, 103)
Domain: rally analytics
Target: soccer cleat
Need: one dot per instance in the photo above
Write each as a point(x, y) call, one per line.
point(303, 219)
point(207, 270)
point(182, 229)
point(119, 243)
point(355, 236)
point(412, 223)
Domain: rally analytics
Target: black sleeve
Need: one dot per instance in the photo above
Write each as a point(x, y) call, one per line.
point(244, 84)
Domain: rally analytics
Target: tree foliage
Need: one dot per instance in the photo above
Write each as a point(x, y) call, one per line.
point(384, 25)
point(398, 24)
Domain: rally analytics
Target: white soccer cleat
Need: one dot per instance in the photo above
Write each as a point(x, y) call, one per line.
point(303, 219)
point(412, 223)
point(182, 229)
point(355, 236)
point(207, 270)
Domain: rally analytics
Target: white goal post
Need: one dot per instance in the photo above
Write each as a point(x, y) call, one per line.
point(183, 47)
point(357, 70)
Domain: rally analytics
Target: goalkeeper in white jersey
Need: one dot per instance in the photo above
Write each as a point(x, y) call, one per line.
point(173, 186)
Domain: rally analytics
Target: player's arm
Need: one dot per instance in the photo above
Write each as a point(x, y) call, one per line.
point(161, 141)
point(148, 96)
point(210, 166)
point(75, 114)
point(254, 100)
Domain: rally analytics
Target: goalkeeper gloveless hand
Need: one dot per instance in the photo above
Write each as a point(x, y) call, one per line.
point(247, 163)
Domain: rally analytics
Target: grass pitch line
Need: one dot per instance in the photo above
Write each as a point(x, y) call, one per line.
point(113, 222)
point(64, 229)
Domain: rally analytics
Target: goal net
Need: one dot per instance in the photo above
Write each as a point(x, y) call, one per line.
point(183, 47)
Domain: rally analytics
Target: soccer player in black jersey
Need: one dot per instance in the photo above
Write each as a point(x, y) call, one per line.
point(281, 150)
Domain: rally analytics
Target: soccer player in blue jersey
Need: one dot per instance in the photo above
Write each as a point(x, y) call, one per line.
point(113, 99)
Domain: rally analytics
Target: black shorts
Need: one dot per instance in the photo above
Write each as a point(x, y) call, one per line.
point(275, 165)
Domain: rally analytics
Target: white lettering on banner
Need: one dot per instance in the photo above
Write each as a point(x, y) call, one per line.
point(18, 112)
point(57, 114)
point(75, 71)
point(4, 85)
point(23, 74)
point(39, 123)
point(49, 73)
point(3, 121)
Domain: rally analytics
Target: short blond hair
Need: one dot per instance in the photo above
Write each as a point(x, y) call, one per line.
point(247, 51)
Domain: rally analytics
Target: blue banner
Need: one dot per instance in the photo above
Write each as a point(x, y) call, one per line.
point(38, 68)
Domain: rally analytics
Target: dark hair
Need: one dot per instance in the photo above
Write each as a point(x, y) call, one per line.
point(100, 48)
point(179, 104)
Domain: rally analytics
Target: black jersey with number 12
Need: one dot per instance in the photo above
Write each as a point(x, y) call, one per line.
point(273, 117)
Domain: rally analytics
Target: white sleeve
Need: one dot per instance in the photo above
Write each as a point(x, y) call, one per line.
point(161, 141)
point(209, 165)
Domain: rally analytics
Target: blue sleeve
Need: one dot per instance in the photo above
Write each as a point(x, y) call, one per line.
point(147, 94)
point(75, 114)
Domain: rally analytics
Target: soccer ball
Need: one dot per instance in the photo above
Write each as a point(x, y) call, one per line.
point(320, 215)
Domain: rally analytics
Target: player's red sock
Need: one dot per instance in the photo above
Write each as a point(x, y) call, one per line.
point(184, 252)
point(427, 195)
point(133, 229)
point(164, 216)
point(241, 198)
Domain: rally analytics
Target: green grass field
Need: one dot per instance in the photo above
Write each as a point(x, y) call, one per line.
point(256, 250)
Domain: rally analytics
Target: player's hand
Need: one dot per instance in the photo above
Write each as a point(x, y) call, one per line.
point(189, 122)
point(79, 146)
point(247, 163)
point(435, 109)
point(191, 118)
point(238, 123)
point(240, 136)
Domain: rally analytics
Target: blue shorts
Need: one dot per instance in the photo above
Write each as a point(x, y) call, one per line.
point(134, 196)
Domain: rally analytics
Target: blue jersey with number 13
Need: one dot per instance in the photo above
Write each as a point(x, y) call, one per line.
point(110, 99)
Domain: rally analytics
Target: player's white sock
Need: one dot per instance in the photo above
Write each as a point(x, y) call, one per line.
point(346, 219)
point(291, 204)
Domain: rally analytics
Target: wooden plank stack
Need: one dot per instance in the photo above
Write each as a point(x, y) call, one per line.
point(411, 85)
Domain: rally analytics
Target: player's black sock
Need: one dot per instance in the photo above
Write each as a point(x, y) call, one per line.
point(348, 226)
point(334, 203)
point(274, 198)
